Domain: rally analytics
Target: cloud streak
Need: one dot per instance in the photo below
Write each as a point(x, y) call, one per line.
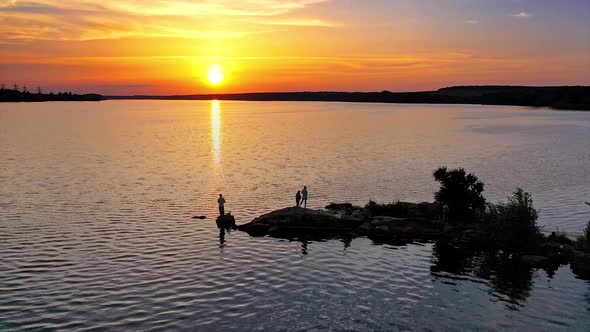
point(92, 19)
point(522, 15)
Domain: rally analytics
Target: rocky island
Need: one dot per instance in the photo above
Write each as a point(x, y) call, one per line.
point(346, 219)
point(459, 219)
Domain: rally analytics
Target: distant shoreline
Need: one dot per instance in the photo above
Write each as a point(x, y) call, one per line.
point(16, 96)
point(562, 97)
point(558, 97)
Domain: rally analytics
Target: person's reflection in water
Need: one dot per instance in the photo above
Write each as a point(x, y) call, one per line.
point(222, 231)
point(304, 247)
point(221, 238)
point(346, 241)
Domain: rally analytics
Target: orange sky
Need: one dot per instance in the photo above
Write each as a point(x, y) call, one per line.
point(165, 47)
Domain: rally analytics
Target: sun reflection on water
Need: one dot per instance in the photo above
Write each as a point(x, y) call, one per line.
point(216, 131)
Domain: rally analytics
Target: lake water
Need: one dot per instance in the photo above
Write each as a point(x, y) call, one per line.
point(96, 201)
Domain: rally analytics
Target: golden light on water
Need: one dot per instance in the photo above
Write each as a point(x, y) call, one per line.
point(215, 74)
point(216, 131)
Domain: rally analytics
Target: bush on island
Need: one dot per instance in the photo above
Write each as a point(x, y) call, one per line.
point(460, 194)
point(512, 226)
point(397, 209)
point(400, 209)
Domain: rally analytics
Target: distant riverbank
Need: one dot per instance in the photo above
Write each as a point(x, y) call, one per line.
point(13, 95)
point(563, 97)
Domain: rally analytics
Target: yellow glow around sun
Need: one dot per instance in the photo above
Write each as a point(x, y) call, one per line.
point(215, 74)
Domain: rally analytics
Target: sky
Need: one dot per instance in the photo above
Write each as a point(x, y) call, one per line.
point(127, 47)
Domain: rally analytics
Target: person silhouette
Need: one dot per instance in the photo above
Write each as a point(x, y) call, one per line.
point(304, 197)
point(221, 202)
point(298, 197)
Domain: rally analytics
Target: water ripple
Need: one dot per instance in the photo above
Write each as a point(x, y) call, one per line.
point(97, 231)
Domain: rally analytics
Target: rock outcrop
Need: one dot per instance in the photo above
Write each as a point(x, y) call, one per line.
point(298, 220)
point(226, 221)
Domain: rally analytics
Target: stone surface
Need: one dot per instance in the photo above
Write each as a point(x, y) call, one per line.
point(227, 221)
point(298, 220)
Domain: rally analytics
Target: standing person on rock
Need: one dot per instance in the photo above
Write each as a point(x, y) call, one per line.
point(298, 197)
point(304, 198)
point(221, 202)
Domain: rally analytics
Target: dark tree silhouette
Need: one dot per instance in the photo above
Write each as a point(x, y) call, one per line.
point(460, 193)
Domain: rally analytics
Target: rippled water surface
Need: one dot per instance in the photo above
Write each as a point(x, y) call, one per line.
point(96, 201)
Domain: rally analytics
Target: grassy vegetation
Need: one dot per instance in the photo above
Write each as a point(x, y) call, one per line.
point(560, 237)
point(404, 210)
point(583, 241)
point(512, 226)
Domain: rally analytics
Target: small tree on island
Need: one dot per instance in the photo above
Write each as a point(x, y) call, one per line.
point(460, 193)
point(512, 226)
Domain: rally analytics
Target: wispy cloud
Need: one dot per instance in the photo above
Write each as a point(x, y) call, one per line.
point(96, 19)
point(472, 21)
point(302, 22)
point(522, 15)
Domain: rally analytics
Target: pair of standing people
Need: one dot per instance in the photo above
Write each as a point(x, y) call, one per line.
point(301, 197)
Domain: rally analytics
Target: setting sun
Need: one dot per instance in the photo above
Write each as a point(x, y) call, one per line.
point(215, 74)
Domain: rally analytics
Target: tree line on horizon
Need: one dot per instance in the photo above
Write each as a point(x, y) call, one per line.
point(559, 97)
point(24, 95)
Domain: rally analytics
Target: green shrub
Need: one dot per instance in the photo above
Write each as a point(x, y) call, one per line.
point(397, 209)
point(583, 241)
point(404, 210)
point(559, 237)
point(460, 193)
point(512, 226)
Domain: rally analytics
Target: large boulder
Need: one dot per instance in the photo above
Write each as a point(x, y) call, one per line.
point(298, 220)
point(226, 221)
